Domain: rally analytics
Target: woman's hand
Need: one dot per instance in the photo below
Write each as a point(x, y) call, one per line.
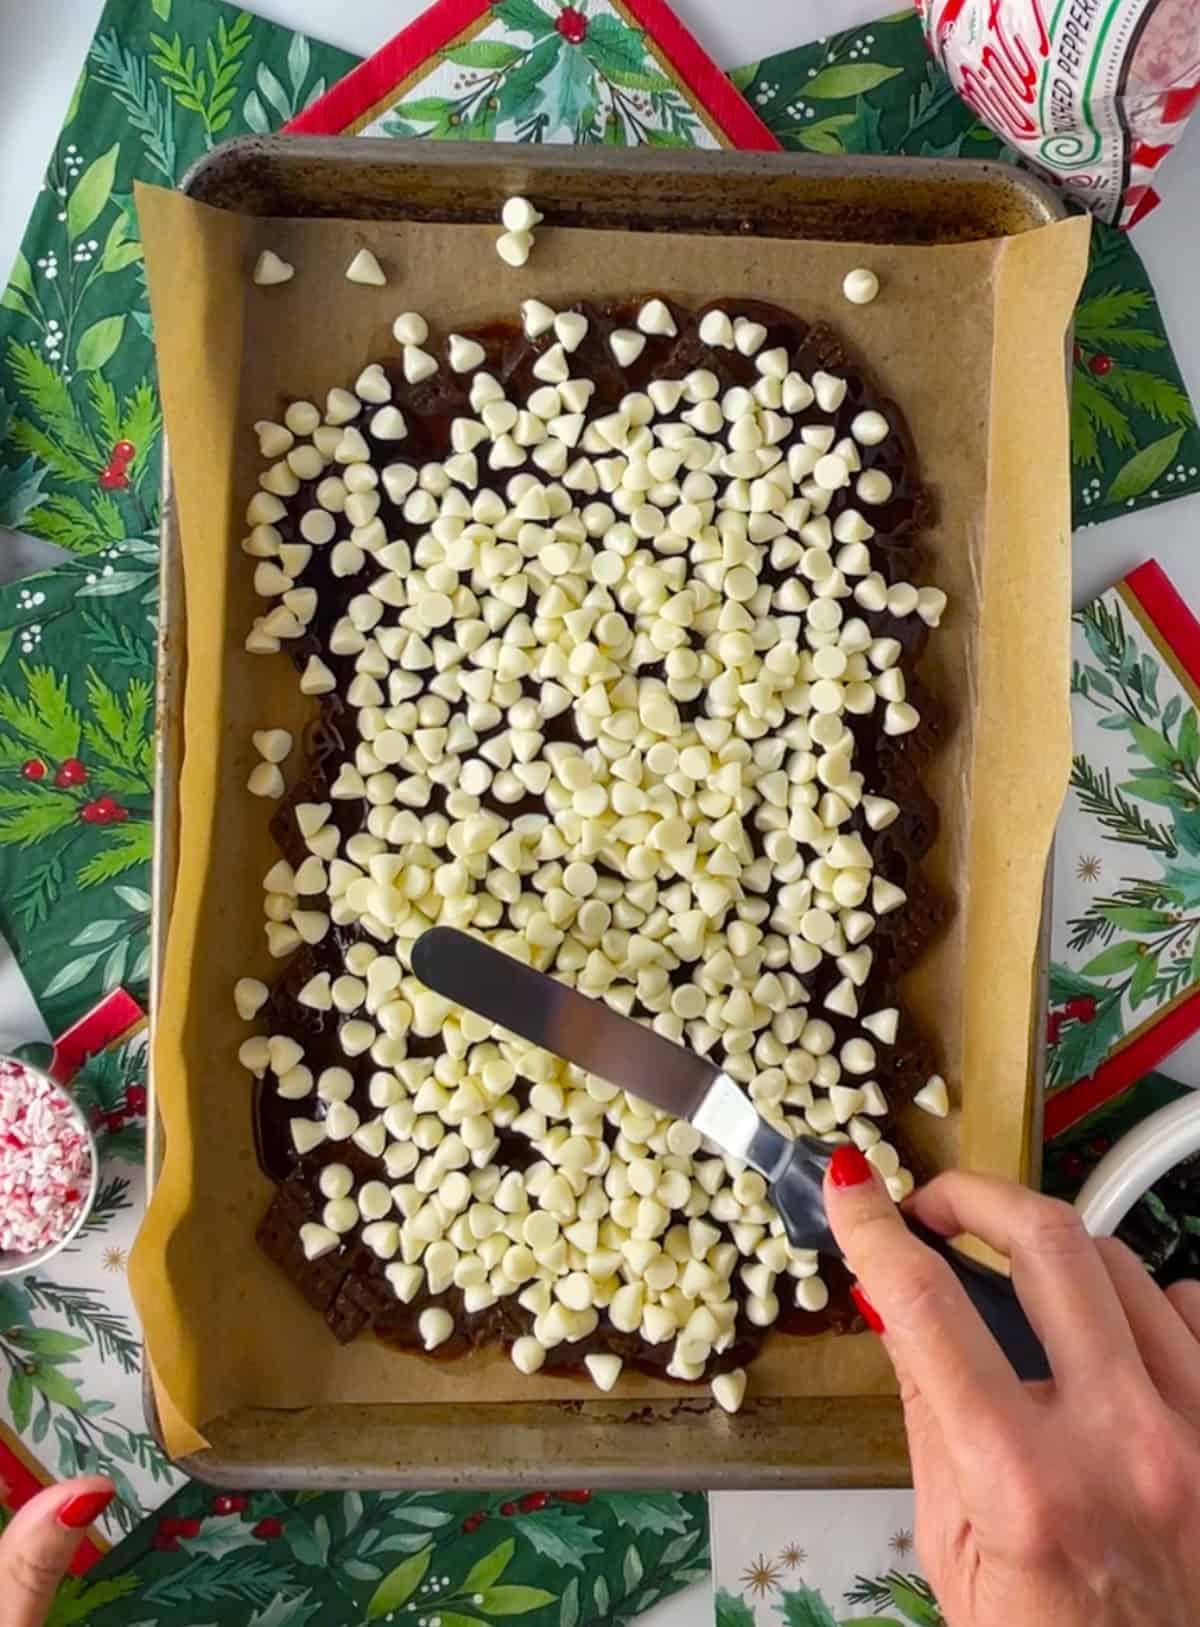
point(37, 1547)
point(1074, 1503)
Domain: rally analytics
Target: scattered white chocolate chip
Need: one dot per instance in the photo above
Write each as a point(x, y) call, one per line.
point(514, 248)
point(528, 1355)
point(604, 1369)
point(537, 318)
point(519, 215)
point(626, 345)
point(466, 354)
point(748, 337)
point(274, 440)
point(716, 329)
point(933, 1096)
point(729, 1389)
point(410, 328)
point(249, 997)
point(272, 745)
point(435, 1326)
point(418, 364)
point(570, 329)
point(860, 286)
point(365, 268)
point(269, 269)
point(388, 424)
point(655, 318)
point(317, 1241)
point(869, 428)
point(265, 780)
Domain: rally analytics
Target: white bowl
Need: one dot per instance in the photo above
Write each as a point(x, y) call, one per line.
point(1130, 1169)
point(13, 1264)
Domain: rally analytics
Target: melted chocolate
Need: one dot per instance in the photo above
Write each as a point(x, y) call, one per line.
point(348, 1286)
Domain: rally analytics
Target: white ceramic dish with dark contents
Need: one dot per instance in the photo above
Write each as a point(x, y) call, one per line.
point(16, 1263)
point(1128, 1170)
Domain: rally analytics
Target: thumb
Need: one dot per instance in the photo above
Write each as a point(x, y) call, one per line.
point(38, 1545)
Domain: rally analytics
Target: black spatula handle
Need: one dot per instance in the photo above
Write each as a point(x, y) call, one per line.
point(798, 1195)
point(995, 1298)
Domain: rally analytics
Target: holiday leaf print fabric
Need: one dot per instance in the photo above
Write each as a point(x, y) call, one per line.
point(784, 1557)
point(875, 89)
point(80, 454)
point(80, 465)
point(542, 72)
point(1125, 968)
point(465, 1559)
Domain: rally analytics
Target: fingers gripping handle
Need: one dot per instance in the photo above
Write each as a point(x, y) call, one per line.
point(797, 1193)
point(995, 1298)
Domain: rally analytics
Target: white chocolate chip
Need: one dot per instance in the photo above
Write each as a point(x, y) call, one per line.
point(873, 486)
point(270, 269)
point(729, 1390)
point(537, 318)
point(466, 354)
point(306, 1134)
point(435, 1326)
point(317, 1241)
point(716, 329)
point(604, 1369)
point(514, 248)
point(249, 997)
point(265, 781)
point(410, 328)
point(519, 215)
point(749, 337)
point(570, 329)
point(274, 440)
point(883, 1025)
point(272, 745)
point(860, 286)
point(933, 1096)
point(869, 428)
point(418, 364)
point(626, 345)
point(655, 318)
point(365, 268)
point(528, 1356)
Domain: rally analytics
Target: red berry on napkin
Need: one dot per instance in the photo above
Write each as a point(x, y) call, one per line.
point(572, 25)
point(72, 772)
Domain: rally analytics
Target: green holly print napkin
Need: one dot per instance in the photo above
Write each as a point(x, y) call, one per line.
point(877, 90)
point(80, 456)
point(456, 1559)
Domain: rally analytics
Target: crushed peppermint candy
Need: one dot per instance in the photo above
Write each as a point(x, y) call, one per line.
point(45, 1161)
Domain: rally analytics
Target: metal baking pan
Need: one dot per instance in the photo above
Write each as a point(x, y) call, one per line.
point(689, 1442)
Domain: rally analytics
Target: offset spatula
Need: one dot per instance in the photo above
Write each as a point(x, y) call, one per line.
point(587, 1033)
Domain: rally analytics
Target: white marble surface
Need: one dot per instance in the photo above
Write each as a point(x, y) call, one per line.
point(42, 46)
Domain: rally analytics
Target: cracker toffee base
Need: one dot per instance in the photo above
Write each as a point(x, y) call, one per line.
point(348, 1286)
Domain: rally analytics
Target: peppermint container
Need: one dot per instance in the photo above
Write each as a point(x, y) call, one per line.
point(49, 1167)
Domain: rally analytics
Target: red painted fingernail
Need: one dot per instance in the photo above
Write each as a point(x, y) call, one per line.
point(848, 1167)
point(77, 1513)
point(865, 1309)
